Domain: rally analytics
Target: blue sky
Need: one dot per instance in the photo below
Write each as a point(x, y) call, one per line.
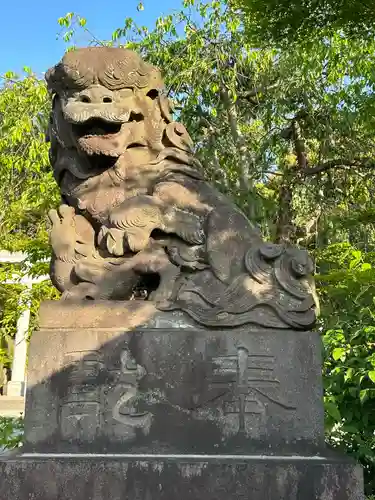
point(29, 28)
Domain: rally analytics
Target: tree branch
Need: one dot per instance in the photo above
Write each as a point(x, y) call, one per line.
point(6, 79)
point(248, 94)
point(299, 145)
point(238, 139)
point(340, 163)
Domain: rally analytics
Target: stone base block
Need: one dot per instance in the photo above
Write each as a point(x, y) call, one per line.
point(125, 378)
point(183, 477)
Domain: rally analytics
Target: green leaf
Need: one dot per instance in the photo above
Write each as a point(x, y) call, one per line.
point(349, 374)
point(363, 395)
point(371, 376)
point(333, 410)
point(338, 353)
point(350, 428)
point(366, 266)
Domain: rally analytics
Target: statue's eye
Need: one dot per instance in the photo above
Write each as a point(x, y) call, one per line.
point(84, 98)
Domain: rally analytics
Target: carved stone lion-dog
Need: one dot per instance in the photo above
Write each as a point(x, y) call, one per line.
point(139, 220)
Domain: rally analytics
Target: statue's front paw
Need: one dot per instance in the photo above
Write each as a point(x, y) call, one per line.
point(112, 240)
point(118, 242)
point(138, 238)
point(137, 218)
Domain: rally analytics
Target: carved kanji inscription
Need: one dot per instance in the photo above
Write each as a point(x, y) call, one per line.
point(122, 399)
point(248, 384)
point(101, 401)
point(80, 408)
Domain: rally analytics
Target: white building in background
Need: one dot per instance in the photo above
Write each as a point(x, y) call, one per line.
point(16, 386)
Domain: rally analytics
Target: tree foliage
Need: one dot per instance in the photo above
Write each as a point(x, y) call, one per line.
point(348, 294)
point(27, 190)
point(288, 133)
point(11, 430)
point(283, 21)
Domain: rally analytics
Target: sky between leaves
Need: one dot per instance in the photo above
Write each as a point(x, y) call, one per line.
point(29, 28)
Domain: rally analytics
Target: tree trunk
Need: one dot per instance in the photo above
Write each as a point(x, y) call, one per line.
point(284, 225)
point(299, 146)
point(285, 229)
point(239, 141)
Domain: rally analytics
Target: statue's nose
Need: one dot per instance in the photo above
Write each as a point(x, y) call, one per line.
point(96, 95)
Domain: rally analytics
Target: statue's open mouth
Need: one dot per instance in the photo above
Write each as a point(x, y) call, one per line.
point(97, 127)
point(106, 136)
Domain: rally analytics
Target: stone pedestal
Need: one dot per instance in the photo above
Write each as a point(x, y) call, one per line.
point(124, 401)
point(178, 477)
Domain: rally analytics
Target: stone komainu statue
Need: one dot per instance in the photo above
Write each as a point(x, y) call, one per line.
point(138, 219)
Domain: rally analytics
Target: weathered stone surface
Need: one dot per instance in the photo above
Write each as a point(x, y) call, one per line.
point(168, 386)
point(163, 478)
point(139, 220)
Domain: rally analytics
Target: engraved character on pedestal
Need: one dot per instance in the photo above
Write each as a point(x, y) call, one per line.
point(122, 418)
point(80, 416)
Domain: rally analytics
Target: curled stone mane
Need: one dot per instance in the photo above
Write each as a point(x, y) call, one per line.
point(114, 68)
